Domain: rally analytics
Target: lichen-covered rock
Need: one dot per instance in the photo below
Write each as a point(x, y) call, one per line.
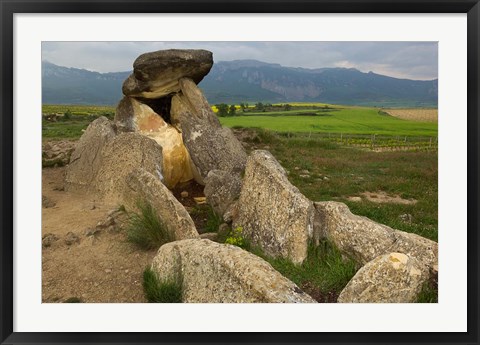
point(273, 213)
point(389, 278)
point(421, 248)
point(132, 115)
point(222, 188)
point(363, 239)
point(156, 74)
point(220, 273)
point(211, 146)
point(144, 187)
point(121, 156)
point(86, 160)
point(57, 153)
point(357, 236)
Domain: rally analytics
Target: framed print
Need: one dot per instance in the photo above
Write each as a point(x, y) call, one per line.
point(257, 171)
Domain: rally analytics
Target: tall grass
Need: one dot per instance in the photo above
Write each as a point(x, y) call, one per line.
point(146, 230)
point(324, 271)
point(157, 291)
point(213, 220)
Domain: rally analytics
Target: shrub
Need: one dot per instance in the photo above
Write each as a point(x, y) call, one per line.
point(67, 115)
point(146, 229)
point(266, 136)
point(157, 291)
point(235, 237)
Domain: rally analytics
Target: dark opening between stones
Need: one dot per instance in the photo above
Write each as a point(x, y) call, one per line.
point(160, 105)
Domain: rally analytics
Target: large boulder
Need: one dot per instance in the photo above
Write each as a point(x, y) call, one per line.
point(421, 248)
point(156, 74)
point(145, 187)
point(133, 115)
point(86, 160)
point(389, 278)
point(220, 273)
point(273, 213)
point(363, 239)
point(57, 153)
point(222, 189)
point(123, 154)
point(211, 146)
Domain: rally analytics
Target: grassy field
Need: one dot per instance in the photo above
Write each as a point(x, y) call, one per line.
point(73, 120)
point(343, 120)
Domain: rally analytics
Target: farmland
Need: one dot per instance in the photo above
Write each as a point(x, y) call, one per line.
point(337, 120)
point(422, 115)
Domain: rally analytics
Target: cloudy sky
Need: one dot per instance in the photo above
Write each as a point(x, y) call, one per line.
point(411, 60)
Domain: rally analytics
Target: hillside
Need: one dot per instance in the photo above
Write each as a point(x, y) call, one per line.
point(251, 81)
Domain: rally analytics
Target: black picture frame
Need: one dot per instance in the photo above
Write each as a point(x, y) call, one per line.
point(9, 7)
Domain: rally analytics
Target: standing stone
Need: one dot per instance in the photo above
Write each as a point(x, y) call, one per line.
point(358, 237)
point(144, 187)
point(390, 278)
point(132, 115)
point(86, 160)
point(273, 213)
point(363, 239)
point(121, 156)
point(222, 189)
point(156, 74)
point(418, 247)
point(220, 273)
point(211, 146)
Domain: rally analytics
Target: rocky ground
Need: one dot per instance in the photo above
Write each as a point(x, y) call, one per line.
point(85, 257)
point(78, 265)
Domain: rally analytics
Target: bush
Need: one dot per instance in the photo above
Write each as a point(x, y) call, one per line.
point(235, 237)
point(157, 291)
point(67, 115)
point(146, 229)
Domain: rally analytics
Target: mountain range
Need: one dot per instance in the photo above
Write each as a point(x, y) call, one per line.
point(251, 81)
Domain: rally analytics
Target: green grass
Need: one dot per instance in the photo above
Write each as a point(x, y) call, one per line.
point(157, 291)
point(213, 220)
point(72, 129)
point(323, 274)
point(146, 229)
point(352, 120)
point(76, 119)
point(429, 294)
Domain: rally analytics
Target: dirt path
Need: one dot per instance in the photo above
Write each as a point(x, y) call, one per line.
point(99, 268)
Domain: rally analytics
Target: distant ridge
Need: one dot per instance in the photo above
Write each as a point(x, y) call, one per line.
point(251, 81)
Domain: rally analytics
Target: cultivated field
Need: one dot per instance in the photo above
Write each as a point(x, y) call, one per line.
point(422, 115)
point(333, 120)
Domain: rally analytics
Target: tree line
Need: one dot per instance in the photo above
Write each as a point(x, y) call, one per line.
point(224, 109)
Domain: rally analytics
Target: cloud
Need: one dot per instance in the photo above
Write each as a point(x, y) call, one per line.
point(412, 60)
